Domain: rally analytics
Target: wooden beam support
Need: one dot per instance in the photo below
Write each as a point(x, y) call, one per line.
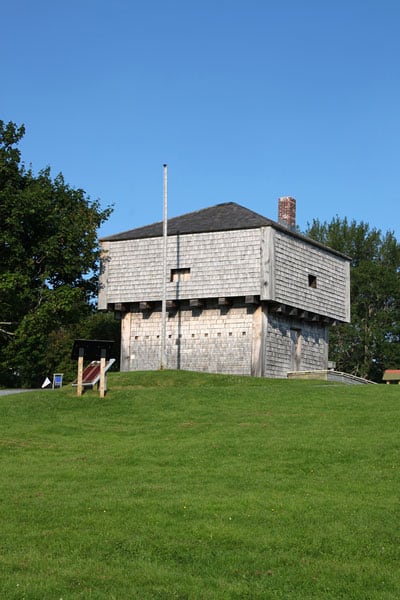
point(120, 307)
point(280, 308)
point(195, 303)
point(102, 388)
point(145, 305)
point(79, 389)
point(224, 301)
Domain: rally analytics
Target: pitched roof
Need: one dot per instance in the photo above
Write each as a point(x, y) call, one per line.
point(228, 216)
point(222, 217)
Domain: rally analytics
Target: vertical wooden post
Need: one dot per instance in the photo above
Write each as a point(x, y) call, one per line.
point(103, 373)
point(80, 372)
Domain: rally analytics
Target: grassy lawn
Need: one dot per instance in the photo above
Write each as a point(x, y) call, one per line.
point(195, 486)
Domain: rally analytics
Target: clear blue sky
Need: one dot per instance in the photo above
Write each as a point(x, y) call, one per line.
point(246, 100)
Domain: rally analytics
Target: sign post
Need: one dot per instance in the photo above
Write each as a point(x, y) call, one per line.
point(102, 373)
point(80, 371)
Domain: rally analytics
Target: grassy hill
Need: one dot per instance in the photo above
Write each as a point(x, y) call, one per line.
point(196, 486)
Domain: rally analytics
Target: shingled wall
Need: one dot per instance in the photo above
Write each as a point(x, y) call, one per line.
point(280, 339)
point(210, 339)
point(295, 261)
point(224, 263)
point(222, 340)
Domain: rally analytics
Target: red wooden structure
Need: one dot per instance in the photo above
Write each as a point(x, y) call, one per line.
point(91, 374)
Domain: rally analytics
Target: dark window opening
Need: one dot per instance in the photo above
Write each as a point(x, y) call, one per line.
point(312, 281)
point(180, 275)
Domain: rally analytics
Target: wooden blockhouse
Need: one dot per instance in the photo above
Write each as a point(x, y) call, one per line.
point(245, 294)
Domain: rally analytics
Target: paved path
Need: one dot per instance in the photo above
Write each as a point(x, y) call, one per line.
point(14, 391)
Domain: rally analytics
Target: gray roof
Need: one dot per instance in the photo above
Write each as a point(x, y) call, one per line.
point(221, 217)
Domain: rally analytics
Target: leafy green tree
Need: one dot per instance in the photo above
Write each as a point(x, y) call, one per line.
point(370, 343)
point(49, 260)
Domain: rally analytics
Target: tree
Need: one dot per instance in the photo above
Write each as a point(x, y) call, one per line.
point(49, 260)
point(370, 343)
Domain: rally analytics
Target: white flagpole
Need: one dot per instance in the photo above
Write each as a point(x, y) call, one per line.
point(163, 358)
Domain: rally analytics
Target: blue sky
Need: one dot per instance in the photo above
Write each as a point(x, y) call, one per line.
point(245, 100)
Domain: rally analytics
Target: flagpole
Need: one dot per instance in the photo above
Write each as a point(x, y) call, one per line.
point(163, 357)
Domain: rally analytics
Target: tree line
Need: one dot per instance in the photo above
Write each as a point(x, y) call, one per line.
point(370, 343)
point(49, 267)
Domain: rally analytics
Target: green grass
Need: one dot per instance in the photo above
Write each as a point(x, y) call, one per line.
point(195, 486)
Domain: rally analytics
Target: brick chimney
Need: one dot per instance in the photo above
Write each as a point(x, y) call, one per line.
point(287, 212)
